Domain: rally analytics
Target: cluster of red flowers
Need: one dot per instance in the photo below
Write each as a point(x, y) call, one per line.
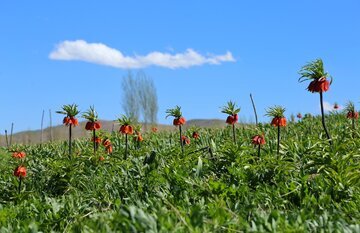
point(232, 119)
point(278, 121)
point(185, 140)
point(195, 135)
point(179, 121)
point(352, 115)
point(319, 85)
point(258, 140)
point(70, 121)
point(20, 171)
point(19, 154)
point(92, 125)
point(97, 140)
point(107, 144)
point(126, 129)
point(138, 137)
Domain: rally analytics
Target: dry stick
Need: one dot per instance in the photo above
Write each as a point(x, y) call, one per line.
point(181, 141)
point(51, 133)
point(11, 133)
point(253, 104)
point(112, 128)
point(323, 119)
point(6, 137)
point(42, 130)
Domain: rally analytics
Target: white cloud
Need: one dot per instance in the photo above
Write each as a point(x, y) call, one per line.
point(330, 107)
point(101, 54)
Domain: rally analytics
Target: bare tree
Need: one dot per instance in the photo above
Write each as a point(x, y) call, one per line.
point(147, 98)
point(130, 102)
point(140, 98)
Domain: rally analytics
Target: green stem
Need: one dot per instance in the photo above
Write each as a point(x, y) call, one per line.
point(126, 146)
point(278, 140)
point(259, 148)
point(323, 119)
point(234, 134)
point(181, 141)
point(70, 140)
point(19, 189)
point(94, 141)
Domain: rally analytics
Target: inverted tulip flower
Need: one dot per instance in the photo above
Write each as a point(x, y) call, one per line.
point(258, 140)
point(127, 129)
point(351, 113)
point(195, 135)
point(20, 172)
point(108, 146)
point(179, 120)
point(185, 140)
point(278, 120)
point(336, 106)
point(138, 138)
point(92, 124)
point(314, 71)
point(19, 154)
point(233, 117)
point(70, 112)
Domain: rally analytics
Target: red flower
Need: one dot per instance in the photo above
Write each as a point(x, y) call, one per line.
point(106, 142)
point(195, 135)
point(19, 155)
point(109, 149)
point(92, 125)
point(70, 121)
point(138, 137)
point(20, 171)
point(97, 140)
point(299, 115)
point(258, 140)
point(126, 129)
point(179, 121)
point(232, 119)
point(108, 146)
point(185, 140)
point(352, 115)
point(279, 121)
point(154, 129)
point(319, 85)
point(101, 158)
point(336, 106)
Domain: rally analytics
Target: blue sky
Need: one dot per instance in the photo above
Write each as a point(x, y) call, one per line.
point(200, 54)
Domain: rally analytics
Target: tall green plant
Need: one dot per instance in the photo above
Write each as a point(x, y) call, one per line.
point(315, 72)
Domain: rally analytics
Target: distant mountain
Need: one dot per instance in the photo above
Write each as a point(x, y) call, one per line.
point(60, 132)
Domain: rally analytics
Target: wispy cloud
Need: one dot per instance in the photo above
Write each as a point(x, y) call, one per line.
point(101, 54)
point(330, 107)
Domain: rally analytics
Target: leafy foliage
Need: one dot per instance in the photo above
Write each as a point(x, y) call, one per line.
point(70, 110)
point(91, 114)
point(230, 108)
point(307, 187)
point(276, 111)
point(313, 71)
point(175, 112)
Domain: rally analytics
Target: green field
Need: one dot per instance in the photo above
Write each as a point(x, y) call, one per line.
point(309, 186)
